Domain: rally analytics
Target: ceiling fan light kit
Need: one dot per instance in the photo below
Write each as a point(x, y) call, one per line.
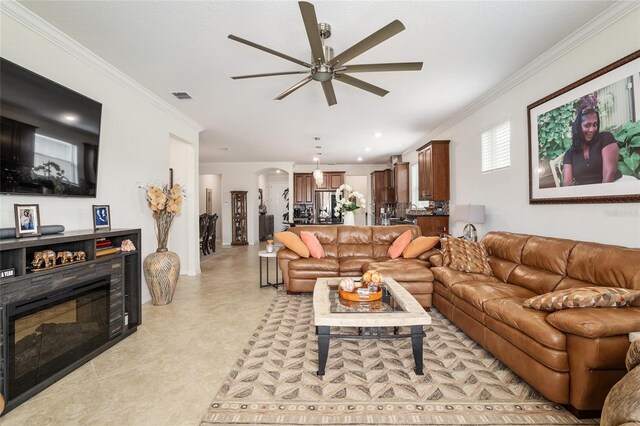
point(324, 66)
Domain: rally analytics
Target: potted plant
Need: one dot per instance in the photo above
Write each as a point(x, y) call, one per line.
point(348, 201)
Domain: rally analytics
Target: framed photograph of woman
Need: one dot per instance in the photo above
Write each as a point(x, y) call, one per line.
point(27, 220)
point(101, 217)
point(584, 139)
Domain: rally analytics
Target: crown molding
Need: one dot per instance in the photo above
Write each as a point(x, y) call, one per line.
point(35, 23)
point(611, 15)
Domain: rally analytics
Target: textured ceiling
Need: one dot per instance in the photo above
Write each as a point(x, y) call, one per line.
point(467, 49)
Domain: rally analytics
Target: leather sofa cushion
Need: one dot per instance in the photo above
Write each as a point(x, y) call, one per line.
point(311, 274)
point(417, 287)
point(402, 269)
point(449, 277)
point(537, 280)
point(596, 322)
point(601, 264)
point(311, 264)
point(550, 254)
point(501, 268)
point(478, 292)
point(505, 245)
point(557, 360)
point(355, 235)
point(354, 264)
point(285, 253)
point(326, 234)
point(386, 235)
point(530, 322)
point(350, 250)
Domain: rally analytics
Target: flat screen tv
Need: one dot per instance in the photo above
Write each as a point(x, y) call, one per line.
point(50, 136)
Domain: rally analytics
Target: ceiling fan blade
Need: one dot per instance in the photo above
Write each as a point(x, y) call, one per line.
point(399, 66)
point(311, 25)
point(266, 49)
point(373, 40)
point(327, 86)
point(239, 77)
point(361, 84)
point(293, 88)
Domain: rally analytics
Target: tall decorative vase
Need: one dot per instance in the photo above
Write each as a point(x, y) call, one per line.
point(348, 218)
point(161, 271)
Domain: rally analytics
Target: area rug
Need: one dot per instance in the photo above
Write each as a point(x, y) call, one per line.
point(372, 381)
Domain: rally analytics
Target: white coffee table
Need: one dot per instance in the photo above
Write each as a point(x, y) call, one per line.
point(408, 313)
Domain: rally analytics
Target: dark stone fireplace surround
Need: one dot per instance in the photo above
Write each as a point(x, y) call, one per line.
point(122, 271)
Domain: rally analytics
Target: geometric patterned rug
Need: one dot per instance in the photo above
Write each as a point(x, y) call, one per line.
point(372, 381)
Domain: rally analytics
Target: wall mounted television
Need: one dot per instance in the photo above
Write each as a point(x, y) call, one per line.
point(49, 136)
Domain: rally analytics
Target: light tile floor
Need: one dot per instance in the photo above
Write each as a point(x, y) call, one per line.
point(169, 371)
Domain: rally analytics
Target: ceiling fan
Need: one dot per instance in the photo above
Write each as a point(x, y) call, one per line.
point(324, 66)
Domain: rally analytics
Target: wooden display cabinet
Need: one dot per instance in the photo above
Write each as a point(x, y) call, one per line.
point(433, 171)
point(239, 218)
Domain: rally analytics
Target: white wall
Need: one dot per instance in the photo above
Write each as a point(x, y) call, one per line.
point(213, 182)
point(243, 177)
point(135, 130)
point(505, 192)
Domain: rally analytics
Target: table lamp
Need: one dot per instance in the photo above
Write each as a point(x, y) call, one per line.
point(470, 213)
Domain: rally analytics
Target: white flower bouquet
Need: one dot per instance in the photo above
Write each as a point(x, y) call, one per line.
point(348, 200)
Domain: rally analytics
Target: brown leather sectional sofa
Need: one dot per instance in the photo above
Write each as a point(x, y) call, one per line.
point(572, 356)
point(352, 250)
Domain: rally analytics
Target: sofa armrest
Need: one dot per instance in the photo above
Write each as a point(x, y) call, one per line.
point(285, 253)
point(596, 322)
point(427, 254)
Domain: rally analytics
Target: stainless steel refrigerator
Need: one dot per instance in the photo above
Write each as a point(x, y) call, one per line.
point(325, 207)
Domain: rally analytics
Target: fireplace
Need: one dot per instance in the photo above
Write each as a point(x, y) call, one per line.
point(49, 333)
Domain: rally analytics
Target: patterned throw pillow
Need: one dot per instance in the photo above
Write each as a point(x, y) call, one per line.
point(465, 256)
point(585, 297)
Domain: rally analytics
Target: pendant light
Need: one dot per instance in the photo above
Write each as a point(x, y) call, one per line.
point(317, 173)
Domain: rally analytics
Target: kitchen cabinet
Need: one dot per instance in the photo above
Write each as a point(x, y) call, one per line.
point(432, 225)
point(433, 171)
point(401, 182)
point(331, 181)
point(382, 187)
point(303, 188)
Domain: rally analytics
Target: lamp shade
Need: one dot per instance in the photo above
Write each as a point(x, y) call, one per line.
point(470, 213)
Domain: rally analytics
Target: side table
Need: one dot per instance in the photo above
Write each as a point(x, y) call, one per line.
point(263, 254)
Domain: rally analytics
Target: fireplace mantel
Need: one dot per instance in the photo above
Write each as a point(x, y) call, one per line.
point(122, 271)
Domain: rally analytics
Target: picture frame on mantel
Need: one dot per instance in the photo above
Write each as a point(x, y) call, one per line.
point(27, 217)
point(584, 139)
point(101, 217)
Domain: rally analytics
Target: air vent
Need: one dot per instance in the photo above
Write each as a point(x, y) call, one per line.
point(181, 95)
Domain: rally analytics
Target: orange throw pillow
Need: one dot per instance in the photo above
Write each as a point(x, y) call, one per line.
point(419, 246)
point(399, 245)
point(293, 243)
point(311, 241)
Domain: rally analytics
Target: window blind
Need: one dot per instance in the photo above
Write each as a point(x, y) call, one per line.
point(496, 148)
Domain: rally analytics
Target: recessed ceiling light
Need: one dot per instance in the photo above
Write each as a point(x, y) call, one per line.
point(377, 135)
point(278, 171)
point(316, 159)
point(70, 117)
point(359, 158)
point(367, 149)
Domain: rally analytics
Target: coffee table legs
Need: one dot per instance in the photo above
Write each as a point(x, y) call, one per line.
point(323, 348)
point(417, 335)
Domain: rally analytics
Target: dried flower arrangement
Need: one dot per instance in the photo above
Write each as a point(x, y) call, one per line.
point(165, 202)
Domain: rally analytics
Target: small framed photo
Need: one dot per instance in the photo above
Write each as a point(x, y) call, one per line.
point(101, 217)
point(27, 220)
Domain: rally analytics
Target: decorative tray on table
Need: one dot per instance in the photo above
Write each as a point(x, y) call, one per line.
point(361, 294)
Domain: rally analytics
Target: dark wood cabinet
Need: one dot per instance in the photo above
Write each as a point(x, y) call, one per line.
point(401, 184)
point(382, 187)
point(303, 188)
point(239, 218)
point(433, 225)
point(433, 171)
point(265, 227)
point(331, 181)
